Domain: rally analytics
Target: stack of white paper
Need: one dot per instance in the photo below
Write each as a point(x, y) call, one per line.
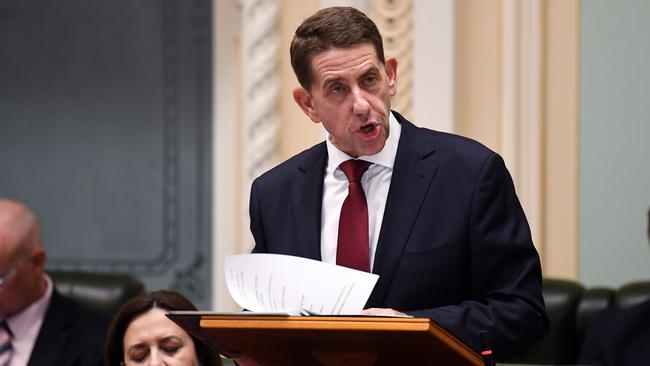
point(275, 283)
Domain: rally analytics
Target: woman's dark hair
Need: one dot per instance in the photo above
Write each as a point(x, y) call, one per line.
point(162, 299)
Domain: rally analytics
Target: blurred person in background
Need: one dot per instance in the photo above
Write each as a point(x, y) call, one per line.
point(141, 334)
point(619, 337)
point(39, 326)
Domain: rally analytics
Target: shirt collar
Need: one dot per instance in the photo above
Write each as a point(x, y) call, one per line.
point(386, 157)
point(20, 322)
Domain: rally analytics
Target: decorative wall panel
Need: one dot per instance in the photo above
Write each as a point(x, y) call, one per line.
point(395, 22)
point(105, 132)
point(260, 96)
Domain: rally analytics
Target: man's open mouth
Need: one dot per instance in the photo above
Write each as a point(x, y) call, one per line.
point(368, 128)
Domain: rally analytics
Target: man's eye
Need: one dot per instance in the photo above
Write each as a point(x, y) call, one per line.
point(336, 89)
point(370, 79)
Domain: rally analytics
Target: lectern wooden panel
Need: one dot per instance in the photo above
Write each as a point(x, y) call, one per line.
point(329, 341)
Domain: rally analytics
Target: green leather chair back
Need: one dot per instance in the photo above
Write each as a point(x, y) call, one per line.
point(105, 292)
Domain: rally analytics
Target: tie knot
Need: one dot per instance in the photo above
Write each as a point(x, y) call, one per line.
point(4, 329)
point(354, 169)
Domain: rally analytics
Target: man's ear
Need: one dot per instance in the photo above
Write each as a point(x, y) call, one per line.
point(38, 259)
point(391, 72)
point(305, 102)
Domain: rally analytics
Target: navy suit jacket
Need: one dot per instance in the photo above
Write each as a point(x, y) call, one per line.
point(454, 245)
point(619, 337)
point(71, 335)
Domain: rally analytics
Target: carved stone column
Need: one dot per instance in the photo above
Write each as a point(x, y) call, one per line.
point(395, 22)
point(260, 94)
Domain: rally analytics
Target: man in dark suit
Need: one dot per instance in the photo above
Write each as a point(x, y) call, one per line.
point(42, 328)
point(439, 219)
point(619, 337)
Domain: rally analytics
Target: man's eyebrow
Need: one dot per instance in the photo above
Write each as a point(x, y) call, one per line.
point(331, 79)
point(371, 68)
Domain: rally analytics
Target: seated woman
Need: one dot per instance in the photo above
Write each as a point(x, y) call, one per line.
point(141, 334)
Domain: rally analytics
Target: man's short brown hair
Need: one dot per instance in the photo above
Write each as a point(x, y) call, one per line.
point(337, 26)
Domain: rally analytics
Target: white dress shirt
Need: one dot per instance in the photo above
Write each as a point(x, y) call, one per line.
point(26, 325)
point(375, 183)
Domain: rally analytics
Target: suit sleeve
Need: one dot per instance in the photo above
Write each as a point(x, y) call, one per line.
point(505, 280)
point(256, 221)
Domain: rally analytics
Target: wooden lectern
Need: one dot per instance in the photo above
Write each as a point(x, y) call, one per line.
point(328, 340)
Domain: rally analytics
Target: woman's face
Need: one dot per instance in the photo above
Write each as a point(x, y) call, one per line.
point(153, 339)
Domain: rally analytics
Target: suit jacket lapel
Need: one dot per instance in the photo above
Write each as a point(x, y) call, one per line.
point(413, 173)
point(53, 334)
point(307, 193)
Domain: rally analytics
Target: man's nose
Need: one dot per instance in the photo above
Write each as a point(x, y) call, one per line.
point(360, 106)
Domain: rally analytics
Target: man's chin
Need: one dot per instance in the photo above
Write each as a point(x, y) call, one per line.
point(372, 149)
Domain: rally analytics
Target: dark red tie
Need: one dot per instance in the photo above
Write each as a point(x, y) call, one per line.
point(352, 250)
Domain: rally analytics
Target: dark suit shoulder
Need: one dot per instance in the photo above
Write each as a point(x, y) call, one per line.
point(79, 313)
point(311, 158)
point(459, 153)
point(420, 138)
point(71, 334)
point(460, 144)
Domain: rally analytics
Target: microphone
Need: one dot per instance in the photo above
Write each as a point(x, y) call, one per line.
point(488, 360)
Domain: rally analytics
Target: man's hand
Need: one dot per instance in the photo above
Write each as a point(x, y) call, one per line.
point(382, 311)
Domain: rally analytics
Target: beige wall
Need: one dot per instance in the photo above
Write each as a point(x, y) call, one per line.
point(561, 139)
point(296, 131)
point(481, 51)
point(477, 76)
